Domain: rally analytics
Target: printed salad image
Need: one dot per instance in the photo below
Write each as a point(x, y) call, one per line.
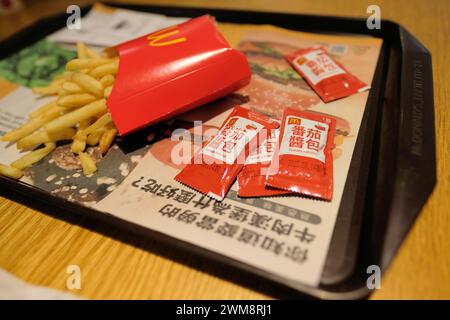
point(36, 65)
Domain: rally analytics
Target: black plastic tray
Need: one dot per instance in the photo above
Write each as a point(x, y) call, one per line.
point(392, 173)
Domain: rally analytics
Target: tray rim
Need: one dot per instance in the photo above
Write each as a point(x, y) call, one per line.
point(25, 190)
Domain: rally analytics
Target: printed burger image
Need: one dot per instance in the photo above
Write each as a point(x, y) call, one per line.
point(275, 85)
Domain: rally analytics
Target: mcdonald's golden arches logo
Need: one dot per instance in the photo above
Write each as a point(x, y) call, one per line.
point(157, 38)
point(293, 120)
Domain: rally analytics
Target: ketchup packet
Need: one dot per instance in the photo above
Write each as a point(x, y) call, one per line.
point(252, 179)
point(171, 71)
point(329, 79)
point(303, 162)
point(214, 168)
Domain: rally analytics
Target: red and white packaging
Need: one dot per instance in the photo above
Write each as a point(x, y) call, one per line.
point(171, 71)
point(303, 162)
point(329, 79)
point(215, 167)
point(252, 178)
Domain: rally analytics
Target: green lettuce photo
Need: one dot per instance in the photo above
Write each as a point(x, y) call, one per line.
point(37, 65)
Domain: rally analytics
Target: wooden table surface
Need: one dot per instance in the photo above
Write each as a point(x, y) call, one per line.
point(38, 248)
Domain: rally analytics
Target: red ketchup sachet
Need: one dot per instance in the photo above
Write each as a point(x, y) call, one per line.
point(329, 79)
point(214, 168)
point(303, 162)
point(252, 179)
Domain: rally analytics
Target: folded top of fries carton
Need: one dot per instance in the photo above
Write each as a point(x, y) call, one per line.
point(172, 71)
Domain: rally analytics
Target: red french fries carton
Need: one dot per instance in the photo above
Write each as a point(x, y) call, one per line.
point(172, 71)
point(252, 178)
point(329, 79)
point(303, 162)
point(215, 167)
